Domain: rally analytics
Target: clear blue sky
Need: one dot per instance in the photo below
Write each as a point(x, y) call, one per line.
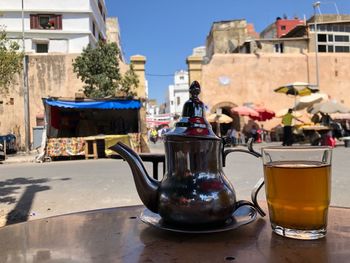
point(166, 31)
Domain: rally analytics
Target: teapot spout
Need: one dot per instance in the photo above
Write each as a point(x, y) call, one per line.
point(147, 187)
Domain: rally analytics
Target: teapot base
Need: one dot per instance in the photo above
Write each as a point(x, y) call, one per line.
point(242, 216)
point(198, 226)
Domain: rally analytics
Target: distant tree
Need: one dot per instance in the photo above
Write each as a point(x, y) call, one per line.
point(129, 82)
point(10, 61)
point(99, 69)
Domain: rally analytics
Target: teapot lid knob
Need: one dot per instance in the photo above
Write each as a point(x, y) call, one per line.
point(195, 90)
point(194, 107)
point(193, 121)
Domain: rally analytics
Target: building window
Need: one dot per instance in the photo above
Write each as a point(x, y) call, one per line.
point(100, 7)
point(94, 29)
point(342, 49)
point(322, 48)
point(334, 42)
point(322, 38)
point(340, 38)
point(42, 48)
point(283, 27)
point(331, 28)
point(178, 100)
point(46, 21)
point(322, 28)
point(279, 48)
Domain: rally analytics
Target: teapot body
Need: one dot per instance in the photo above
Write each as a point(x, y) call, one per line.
point(194, 189)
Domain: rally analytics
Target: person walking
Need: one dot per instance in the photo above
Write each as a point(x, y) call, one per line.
point(153, 135)
point(287, 120)
point(233, 137)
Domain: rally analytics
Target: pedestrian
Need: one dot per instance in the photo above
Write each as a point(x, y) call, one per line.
point(253, 133)
point(316, 119)
point(153, 135)
point(241, 138)
point(233, 136)
point(263, 133)
point(228, 137)
point(287, 120)
point(326, 120)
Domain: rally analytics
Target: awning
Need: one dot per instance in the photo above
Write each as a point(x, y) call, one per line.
point(105, 104)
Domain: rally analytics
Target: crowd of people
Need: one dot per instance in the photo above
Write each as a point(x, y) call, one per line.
point(234, 137)
point(259, 134)
point(331, 129)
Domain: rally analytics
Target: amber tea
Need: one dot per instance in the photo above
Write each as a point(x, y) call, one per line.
point(298, 190)
point(298, 194)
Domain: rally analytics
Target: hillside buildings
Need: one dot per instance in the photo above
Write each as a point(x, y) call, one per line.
point(241, 68)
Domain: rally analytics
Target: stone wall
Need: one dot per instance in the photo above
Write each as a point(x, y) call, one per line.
point(48, 75)
point(252, 79)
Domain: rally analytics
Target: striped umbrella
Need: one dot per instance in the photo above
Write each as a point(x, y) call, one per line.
point(297, 89)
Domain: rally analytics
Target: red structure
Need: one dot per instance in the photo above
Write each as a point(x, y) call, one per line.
point(283, 26)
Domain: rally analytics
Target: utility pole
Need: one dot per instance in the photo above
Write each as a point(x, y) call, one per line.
point(25, 89)
point(316, 5)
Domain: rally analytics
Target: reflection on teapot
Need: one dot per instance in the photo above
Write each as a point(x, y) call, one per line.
point(194, 189)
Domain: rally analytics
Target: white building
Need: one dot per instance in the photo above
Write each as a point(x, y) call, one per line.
point(154, 118)
point(55, 26)
point(178, 93)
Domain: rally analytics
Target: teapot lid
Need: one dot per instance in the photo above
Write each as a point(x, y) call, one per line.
point(193, 122)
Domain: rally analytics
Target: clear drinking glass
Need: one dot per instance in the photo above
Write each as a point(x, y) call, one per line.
point(298, 190)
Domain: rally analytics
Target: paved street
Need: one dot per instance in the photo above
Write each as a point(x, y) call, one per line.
point(30, 190)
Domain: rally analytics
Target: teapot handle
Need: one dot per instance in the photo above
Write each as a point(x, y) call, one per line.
point(254, 205)
point(258, 185)
point(250, 150)
point(254, 196)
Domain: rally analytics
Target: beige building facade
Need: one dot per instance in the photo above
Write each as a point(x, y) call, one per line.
point(252, 79)
point(49, 76)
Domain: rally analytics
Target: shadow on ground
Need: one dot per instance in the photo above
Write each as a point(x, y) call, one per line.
point(8, 188)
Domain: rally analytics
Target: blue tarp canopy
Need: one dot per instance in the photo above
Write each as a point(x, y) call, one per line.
point(105, 104)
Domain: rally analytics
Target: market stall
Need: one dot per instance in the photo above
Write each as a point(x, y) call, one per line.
point(72, 124)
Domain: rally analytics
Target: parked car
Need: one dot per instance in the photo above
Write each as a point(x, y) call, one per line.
point(10, 142)
point(2, 152)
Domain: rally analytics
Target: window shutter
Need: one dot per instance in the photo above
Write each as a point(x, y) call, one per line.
point(34, 22)
point(59, 21)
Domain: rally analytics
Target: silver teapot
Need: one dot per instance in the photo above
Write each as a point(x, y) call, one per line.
point(194, 189)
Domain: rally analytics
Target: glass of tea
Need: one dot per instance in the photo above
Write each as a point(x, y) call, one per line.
point(298, 190)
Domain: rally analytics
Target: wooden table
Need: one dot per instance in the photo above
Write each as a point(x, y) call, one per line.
point(118, 235)
point(108, 141)
point(92, 141)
